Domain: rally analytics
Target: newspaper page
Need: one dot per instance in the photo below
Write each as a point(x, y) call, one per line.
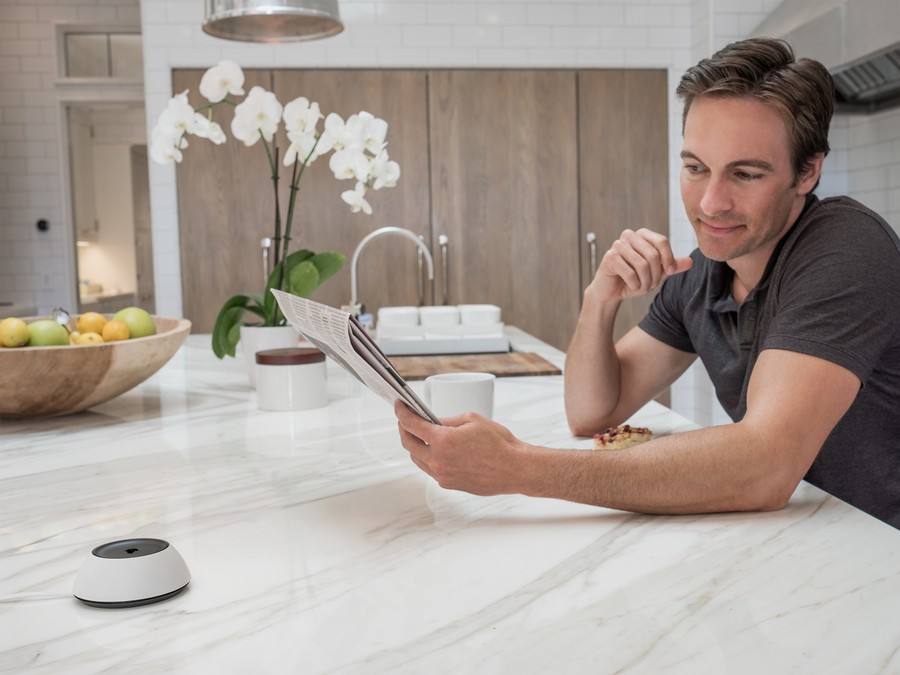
point(340, 336)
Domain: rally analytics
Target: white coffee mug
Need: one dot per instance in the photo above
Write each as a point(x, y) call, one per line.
point(450, 394)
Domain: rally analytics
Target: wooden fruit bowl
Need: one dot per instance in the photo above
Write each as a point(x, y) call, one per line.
point(51, 381)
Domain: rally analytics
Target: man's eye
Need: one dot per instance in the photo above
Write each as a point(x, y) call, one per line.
point(693, 168)
point(747, 176)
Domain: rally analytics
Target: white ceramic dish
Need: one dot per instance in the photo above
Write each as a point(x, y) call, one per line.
point(439, 315)
point(479, 314)
point(398, 316)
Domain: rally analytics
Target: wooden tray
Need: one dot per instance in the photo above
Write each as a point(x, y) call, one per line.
point(502, 365)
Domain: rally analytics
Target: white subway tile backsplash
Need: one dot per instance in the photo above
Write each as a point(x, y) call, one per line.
point(659, 15)
point(599, 15)
point(627, 37)
point(553, 58)
point(551, 14)
point(575, 37)
point(601, 57)
point(19, 13)
point(450, 13)
point(501, 14)
point(476, 36)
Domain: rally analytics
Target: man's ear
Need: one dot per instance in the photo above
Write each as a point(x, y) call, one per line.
point(808, 180)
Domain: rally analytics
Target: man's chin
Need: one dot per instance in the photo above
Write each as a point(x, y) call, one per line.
point(715, 251)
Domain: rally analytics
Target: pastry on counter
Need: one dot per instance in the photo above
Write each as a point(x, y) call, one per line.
point(616, 438)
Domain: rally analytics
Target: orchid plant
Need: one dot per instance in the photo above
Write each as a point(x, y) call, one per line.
point(359, 153)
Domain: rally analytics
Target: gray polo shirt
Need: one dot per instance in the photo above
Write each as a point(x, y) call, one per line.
point(831, 290)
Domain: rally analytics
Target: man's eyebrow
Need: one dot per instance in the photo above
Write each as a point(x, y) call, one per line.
point(756, 163)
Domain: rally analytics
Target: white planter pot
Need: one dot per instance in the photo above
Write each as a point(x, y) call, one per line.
point(258, 338)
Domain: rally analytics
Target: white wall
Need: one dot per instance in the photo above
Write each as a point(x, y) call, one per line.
point(38, 268)
point(669, 34)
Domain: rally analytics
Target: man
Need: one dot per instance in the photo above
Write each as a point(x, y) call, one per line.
point(789, 301)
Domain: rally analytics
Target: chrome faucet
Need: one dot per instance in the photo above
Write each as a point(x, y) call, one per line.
point(355, 307)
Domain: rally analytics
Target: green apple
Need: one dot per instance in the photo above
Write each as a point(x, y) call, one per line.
point(139, 321)
point(47, 333)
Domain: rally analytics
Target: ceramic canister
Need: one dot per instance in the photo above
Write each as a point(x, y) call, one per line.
point(291, 379)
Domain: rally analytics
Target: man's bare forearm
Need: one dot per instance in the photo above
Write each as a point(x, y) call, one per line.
point(685, 473)
point(592, 373)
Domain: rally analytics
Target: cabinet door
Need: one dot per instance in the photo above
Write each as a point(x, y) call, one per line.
point(504, 192)
point(623, 138)
point(226, 203)
point(225, 206)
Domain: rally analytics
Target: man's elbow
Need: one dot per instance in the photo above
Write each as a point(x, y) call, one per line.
point(585, 426)
point(767, 495)
point(577, 428)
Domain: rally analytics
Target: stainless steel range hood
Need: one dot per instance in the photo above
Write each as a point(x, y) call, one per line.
point(857, 40)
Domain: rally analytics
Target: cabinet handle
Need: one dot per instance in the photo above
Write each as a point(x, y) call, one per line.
point(443, 242)
point(592, 246)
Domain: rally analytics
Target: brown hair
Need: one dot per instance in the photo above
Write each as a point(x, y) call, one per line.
point(802, 90)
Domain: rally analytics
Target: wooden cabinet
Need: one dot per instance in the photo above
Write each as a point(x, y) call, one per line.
point(504, 150)
point(514, 167)
point(622, 166)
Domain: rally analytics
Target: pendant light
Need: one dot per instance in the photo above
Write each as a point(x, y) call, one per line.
point(272, 20)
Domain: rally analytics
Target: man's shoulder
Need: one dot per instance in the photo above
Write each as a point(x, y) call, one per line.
point(844, 225)
point(843, 215)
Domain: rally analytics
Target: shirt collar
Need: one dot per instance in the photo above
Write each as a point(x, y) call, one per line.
point(719, 298)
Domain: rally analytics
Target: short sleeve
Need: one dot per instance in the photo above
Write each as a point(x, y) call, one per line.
point(831, 298)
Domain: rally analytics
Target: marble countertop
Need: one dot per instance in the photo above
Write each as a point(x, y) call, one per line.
point(316, 546)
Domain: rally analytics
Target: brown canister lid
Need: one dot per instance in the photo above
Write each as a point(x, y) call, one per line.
point(291, 356)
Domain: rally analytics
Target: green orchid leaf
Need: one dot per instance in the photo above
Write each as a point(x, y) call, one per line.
point(328, 263)
point(269, 308)
point(303, 279)
point(229, 316)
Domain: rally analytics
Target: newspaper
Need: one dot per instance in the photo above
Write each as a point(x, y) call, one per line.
point(342, 337)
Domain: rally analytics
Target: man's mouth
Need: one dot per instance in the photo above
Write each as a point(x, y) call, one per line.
point(717, 229)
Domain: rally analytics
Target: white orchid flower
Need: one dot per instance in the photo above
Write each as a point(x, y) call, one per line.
point(357, 200)
point(350, 163)
point(338, 135)
point(301, 116)
point(165, 147)
point(358, 145)
point(179, 117)
point(259, 113)
point(369, 130)
point(301, 148)
point(384, 170)
point(211, 130)
point(221, 80)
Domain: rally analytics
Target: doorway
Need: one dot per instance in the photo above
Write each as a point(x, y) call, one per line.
point(110, 206)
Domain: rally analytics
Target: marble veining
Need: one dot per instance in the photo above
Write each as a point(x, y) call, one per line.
point(316, 546)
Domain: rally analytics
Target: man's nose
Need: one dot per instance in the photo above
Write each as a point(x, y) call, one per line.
point(716, 196)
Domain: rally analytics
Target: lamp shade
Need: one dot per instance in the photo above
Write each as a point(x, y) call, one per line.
point(272, 20)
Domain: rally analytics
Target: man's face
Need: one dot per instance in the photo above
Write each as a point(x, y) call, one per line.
point(737, 180)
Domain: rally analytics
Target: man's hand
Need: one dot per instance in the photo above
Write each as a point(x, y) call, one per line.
point(636, 264)
point(468, 452)
point(606, 382)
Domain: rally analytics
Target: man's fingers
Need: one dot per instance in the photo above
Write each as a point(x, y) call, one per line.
point(642, 260)
point(680, 265)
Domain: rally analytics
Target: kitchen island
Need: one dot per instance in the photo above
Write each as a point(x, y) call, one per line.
point(316, 546)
